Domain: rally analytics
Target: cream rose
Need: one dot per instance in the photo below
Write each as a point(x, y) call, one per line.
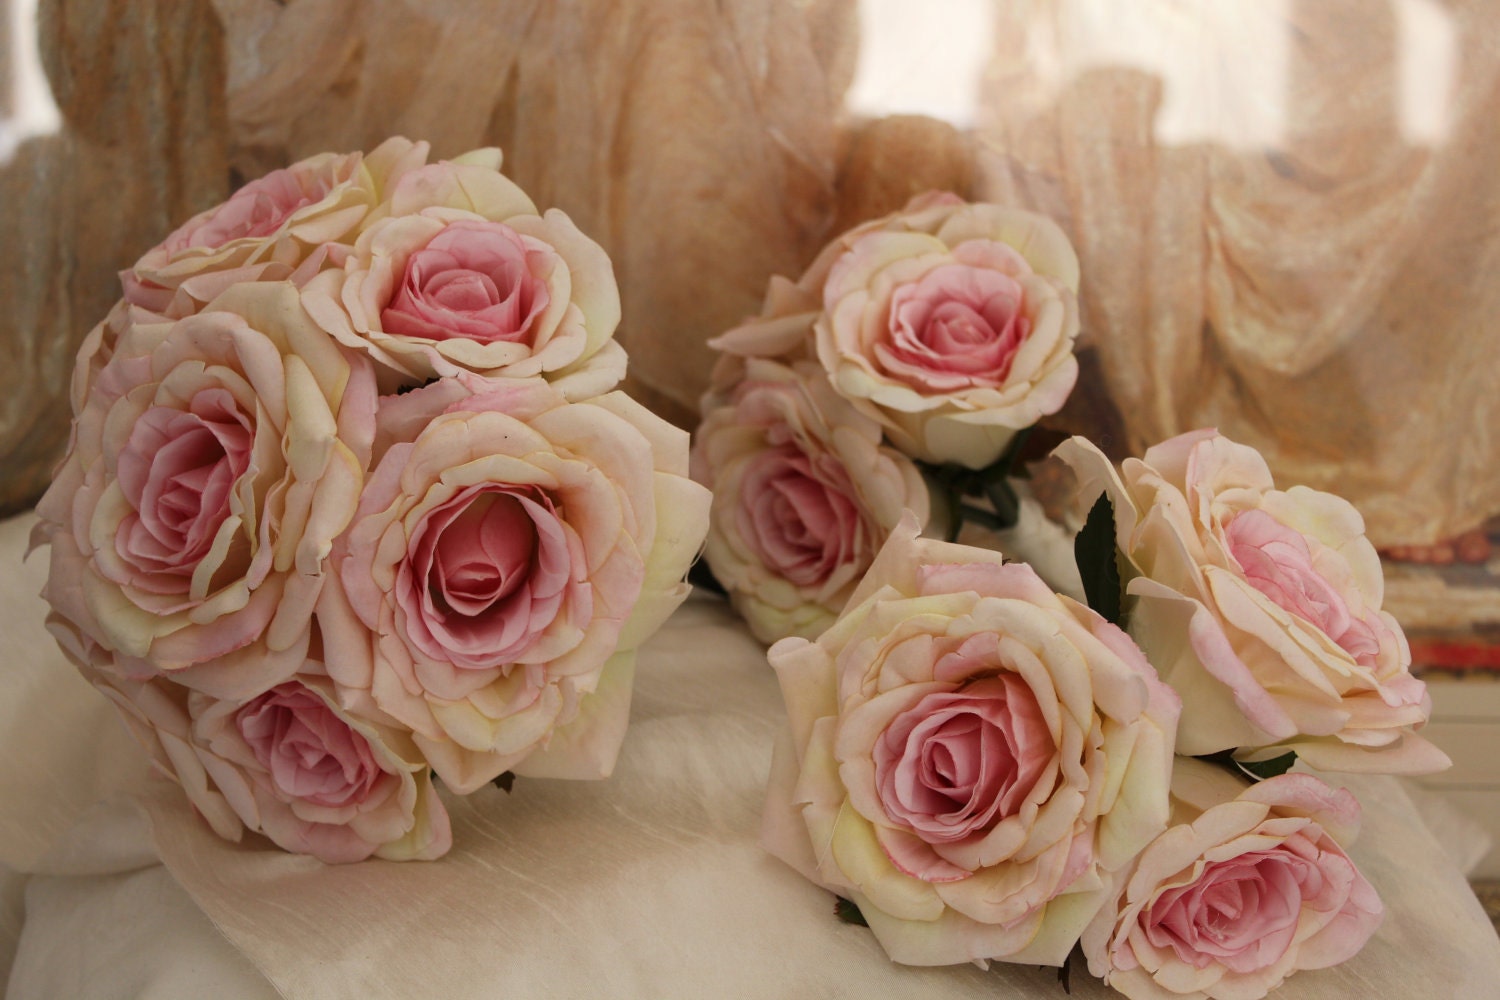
point(1252, 885)
point(1261, 607)
point(459, 273)
point(510, 552)
point(968, 756)
point(213, 462)
point(952, 325)
point(804, 495)
point(291, 764)
point(285, 224)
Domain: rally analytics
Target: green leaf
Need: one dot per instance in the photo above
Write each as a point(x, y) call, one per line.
point(1002, 497)
point(846, 911)
point(1065, 971)
point(702, 577)
point(1269, 768)
point(1258, 770)
point(954, 483)
point(1094, 552)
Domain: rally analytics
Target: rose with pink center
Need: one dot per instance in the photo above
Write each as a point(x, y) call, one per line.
point(261, 206)
point(213, 462)
point(950, 324)
point(969, 756)
point(1262, 606)
point(288, 224)
point(510, 552)
point(1241, 912)
point(1252, 885)
point(290, 763)
point(804, 494)
point(460, 273)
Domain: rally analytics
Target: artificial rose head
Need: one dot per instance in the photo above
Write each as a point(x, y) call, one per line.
point(460, 273)
point(213, 462)
point(952, 325)
point(291, 764)
point(1252, 886)
point(510, 552)
point(283, 225)
point(968, 755)
point(804, 495)
point(1262, 608)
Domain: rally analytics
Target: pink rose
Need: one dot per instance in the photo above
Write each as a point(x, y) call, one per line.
point(510, 552)
point(1262, 608)
point(213, 462)
point(953, 326)
point(969, 755)
point(1252, 886)
point(804, 496)
point(276, 227)
point(459, 273)
point(291, 764)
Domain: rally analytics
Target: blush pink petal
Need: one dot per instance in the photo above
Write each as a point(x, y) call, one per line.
point(957, 762)
point(476, 280)
point(528, 581)
point(956, 327)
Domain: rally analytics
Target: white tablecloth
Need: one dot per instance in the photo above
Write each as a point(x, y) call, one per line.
point(648, 885)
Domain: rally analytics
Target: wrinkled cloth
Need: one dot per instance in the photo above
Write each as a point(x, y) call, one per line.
point(650, 884)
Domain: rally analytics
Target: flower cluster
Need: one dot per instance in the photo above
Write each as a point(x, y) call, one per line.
point(930, 336)
point(350, 500)
point(989, 770)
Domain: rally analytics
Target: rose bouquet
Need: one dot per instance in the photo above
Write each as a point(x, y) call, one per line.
point(898, 373)
point(982, 769)
point(349, 502)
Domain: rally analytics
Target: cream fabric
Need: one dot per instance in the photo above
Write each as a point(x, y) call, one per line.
point(648, 885)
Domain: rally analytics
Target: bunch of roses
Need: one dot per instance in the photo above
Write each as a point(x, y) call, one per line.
point(933, 335)
point(989, 770)
point(349, 501)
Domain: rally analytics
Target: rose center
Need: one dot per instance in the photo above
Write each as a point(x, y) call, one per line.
point(310, 753)
point(486, 573)
point(1278, 562)
point(483, 555)
point(269, 209)
point(958, 762)
point(957, 326)
point(798, 515)
point(257, 210)
point(1241, 913)
point(475, 280)
point(178, 470)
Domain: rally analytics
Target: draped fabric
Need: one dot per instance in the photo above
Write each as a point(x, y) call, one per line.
point(1288, 220)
